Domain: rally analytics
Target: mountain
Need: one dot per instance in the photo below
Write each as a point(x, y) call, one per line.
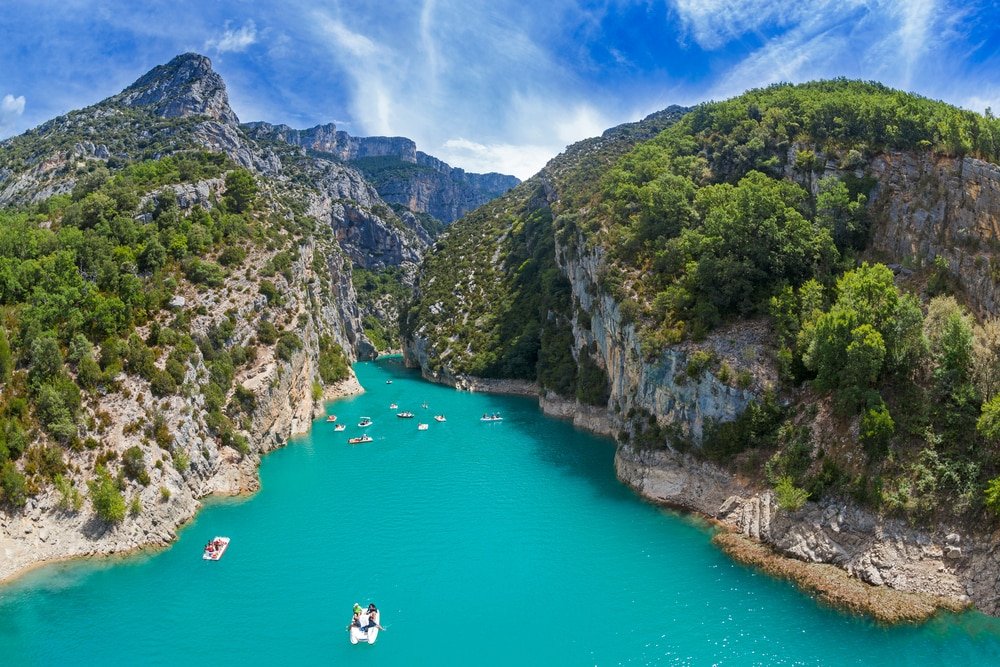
point(179, 298)
point(782, 305)
point(402, 175)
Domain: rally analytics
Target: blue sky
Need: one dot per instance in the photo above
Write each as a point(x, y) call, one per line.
point(496, 85)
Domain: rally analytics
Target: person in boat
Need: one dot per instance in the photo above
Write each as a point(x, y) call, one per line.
point(373, 618)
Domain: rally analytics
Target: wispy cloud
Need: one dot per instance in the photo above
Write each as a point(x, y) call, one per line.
point(233, 40)
point(11, 109)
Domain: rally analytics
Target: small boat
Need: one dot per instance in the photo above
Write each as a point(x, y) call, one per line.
point(393, 406)
point(361, 439)
point(439, 418)
point(365, 421)
point(215, 548)
point(340, 427)
point(405, 415)
point(331, 418)
point(422, 427)
point(491, 418)
point(388, 381)
point(365, 634)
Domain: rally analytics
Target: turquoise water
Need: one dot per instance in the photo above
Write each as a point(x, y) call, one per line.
point(484, 544)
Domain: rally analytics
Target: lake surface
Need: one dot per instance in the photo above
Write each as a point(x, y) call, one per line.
point(482, 544)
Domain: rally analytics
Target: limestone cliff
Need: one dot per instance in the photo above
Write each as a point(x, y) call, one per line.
point(318, 219)
point(401, 174)
point(921, 205)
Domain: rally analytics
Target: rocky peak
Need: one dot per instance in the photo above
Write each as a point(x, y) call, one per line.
point(185, 86)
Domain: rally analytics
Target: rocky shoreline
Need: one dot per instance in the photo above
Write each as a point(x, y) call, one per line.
point(43, 533)
point(847, 557)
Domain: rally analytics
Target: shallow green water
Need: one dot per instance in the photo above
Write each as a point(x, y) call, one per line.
point(481, 543)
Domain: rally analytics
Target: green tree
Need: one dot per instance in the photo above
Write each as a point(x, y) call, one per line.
point(108, 502)
point(6, 357)
point(241, 190)
point(13, 487)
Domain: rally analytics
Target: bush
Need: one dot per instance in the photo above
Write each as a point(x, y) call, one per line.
point(13, 487)
point(134, 465)
point(108, 502)
point(271, 292)
point(267, 333)
point(877, 426)
point(992, 495)
point(163, 383)
point(789, 496)
point(164, 494)
point(288, 345)
point(333, 365)
point(70, 498)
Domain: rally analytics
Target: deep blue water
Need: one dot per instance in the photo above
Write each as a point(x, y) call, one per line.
point(485, 544)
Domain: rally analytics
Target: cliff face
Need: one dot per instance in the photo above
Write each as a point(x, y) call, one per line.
point(922, 207)
point(320, 217)
point(927, 207)
point(400, 173)
point(337, 143)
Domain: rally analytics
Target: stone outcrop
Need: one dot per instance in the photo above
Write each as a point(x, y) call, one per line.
point(420, 182)
point(185, 86)
point(337, 143)
point(926, 207)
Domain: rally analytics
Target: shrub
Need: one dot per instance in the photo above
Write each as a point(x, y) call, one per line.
point(789, 496)
point(332, 362)
point(163, 383)
point(109, 504)
point(180, 460)
point(13, 487)
point(877, 426)
point(288, 345)
point(698, 363)
point(267, 333)
point(135, 506)
point(992, 495)
point(70, 498)
point(164, 494)
point(134, 465)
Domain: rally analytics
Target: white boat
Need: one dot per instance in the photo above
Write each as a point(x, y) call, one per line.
point(365, 421)
point(405, 415)
point(215, 548)
point(491, 418)
point(422, 427)
point(393, 406)
point(439, 418)
point(331, 418)
point(363, 634)
point(340, 427)
point(361, 439)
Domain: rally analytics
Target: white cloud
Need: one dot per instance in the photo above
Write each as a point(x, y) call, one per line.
point(521, 160)
point(11, 109)
point(235, 41)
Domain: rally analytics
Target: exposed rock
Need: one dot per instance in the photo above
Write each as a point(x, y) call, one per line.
point(185, 86)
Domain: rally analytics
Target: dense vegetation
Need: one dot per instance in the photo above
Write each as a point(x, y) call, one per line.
point(888, 390)
point(85, 284)
point(492, 301)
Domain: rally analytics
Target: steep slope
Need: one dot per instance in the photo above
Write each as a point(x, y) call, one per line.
point(701, 295)
point(177, 300)
point(402, 175)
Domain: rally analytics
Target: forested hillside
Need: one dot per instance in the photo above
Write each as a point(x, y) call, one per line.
point(867, 380)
